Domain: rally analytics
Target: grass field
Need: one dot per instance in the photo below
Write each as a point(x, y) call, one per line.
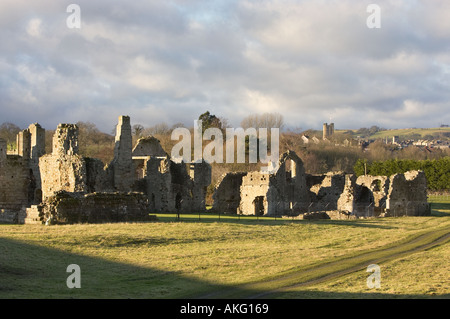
point(403, 132)
point(230, 258)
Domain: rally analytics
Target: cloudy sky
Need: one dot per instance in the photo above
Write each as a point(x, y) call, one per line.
point(170, 61)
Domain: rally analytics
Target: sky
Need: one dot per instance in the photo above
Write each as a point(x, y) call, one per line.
point(170, 61)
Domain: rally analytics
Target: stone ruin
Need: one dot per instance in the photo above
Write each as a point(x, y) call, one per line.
point(65, 187)
point(335, 195)
point(257, 193)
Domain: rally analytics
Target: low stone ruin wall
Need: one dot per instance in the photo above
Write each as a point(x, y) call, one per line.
point(12, 216)
point(72, 208)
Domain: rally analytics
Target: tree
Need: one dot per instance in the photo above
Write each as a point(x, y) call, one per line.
point(266, 120)
point(209, 120)
point(94, 143)
point(9, 131)
point(137, 130)
point(160, 129)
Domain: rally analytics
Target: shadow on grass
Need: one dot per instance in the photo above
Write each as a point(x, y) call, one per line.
point(29, 271)
point(438, 208)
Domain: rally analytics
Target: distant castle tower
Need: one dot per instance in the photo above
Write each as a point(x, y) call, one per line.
point(328, 130)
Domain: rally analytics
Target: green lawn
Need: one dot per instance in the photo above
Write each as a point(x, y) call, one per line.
point(192, 257)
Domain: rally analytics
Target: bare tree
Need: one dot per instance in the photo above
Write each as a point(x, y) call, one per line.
point(266, 120)
point(9, 131)
point(160, 128)
point(137, 130)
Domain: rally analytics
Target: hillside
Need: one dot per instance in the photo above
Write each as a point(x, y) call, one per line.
point(412, 132)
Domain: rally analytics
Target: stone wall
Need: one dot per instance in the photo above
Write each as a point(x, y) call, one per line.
point(66, 170)
point(372, 190)
point(346, 201)
point(16, 188)
point(227, 193)
point(71, 208)
point(255, 196)
point(290, 181)
point(62, 173)
point(122, 164)
point(31, 177)
point(408, 195)
point(326, 194)
point(98, 177)
point(282, 192)
point(200, 174)
point(169, 186)
point(148, 146)
point(65, 140)
point(3, 150)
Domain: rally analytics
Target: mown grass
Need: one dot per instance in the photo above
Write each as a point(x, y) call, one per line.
point(172, 259)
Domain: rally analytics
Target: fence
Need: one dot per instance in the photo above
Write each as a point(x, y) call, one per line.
point(293, 213)
point(436, 197)
point(366, 210)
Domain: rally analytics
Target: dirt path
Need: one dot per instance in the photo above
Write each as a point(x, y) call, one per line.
point(312, 275)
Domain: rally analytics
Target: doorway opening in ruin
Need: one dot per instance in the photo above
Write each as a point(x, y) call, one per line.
point(37, 196)
point(152, 202)
point(364, 202)
point(140, 169)
point(31, 188)
point(178, 201)
point(289, 166)
point(259, 205)
point(366, 196)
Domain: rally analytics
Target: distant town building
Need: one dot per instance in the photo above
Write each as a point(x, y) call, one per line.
point(328, 130)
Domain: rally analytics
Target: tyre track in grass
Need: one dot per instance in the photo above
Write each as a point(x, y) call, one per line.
point(311, 275)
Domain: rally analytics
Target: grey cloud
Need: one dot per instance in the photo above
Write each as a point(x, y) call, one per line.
point(171, 61)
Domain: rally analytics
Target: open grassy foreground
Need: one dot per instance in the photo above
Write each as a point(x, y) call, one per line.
point(231, 258)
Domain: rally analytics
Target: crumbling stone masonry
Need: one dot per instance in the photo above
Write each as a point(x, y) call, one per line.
point(335, 195)
point(19, 174)
point(325, 190)
point(227, 194)
point(70, 208)
point(279, 193)
point(64, 169)
point(122, 163)
point(171, 188)
point(65, 187)
point(407, 195)
point(370, 194)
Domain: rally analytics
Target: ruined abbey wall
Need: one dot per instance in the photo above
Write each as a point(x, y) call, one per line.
point(227, 195)
point(407, 195)
point(65, 187)
point(336, 195)
point(71, 208)
point(258, 193)
point(19, 173)
point(15, 179)
point(64, 169)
